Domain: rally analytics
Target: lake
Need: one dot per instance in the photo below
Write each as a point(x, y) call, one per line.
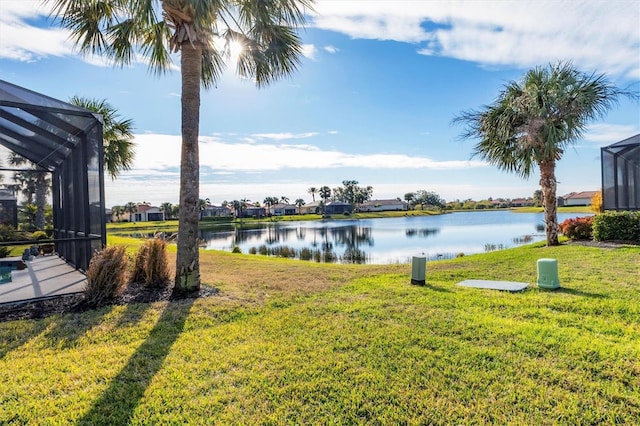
point(388, 240)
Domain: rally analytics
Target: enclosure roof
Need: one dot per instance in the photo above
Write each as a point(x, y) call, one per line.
point(627, 149)
point(633, 140)
point(41, 129)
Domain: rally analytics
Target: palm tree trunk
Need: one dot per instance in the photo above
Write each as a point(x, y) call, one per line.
point(187, 259)
point(41, 200)
point(548, 185)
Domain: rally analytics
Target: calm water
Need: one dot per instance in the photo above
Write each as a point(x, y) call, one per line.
point(389, 240)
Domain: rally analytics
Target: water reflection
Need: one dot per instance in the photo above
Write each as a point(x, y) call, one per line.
point(390, 240)
point(345, 244)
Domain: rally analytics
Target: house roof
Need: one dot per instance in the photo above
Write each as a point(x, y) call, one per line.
point(583, 194)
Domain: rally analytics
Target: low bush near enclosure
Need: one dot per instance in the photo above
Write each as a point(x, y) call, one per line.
point(579, 228)
point(617, 226)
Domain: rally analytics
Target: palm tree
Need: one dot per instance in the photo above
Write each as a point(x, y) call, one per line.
point(299, 203)
point(313, 191)
point(202, 205)
point(123, 29)
point(130, 208)
point(117, 135)
point(117, 211)
point(167, 208)
point(285, 200)
point(325, 194)
point(268, 202)
point(534, 120)
point(32, 183)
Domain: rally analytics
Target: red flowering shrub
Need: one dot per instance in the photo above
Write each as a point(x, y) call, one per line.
point(579, 228)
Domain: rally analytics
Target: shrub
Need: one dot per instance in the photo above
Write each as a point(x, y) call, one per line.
point(137, 274)
point(579, 228)
point(306, 254)
point(106, 275)
point(236, 249)
point(596, 202)
point(621, 226)
point(151, 265)
point(253, 250)
point(39, 235)
point(4, 251)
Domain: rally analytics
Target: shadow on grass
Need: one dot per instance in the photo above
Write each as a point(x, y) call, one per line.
point(580, 293)
point(16, 333)
point(69, 328)
point(436, 288)
point(118, 403)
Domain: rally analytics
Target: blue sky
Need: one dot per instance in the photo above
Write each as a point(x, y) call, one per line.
point(373, 101)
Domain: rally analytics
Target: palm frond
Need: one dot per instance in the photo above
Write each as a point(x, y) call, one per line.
point(117, 134)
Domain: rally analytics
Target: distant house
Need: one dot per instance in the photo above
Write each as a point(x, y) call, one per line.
point(252, 211)
point(282, 209)
point(8, 207)
point(579, 198)
point(216, 211)
point(383, 206)
point(519, 202)
point(147, 213)
point(338, 207)
point(314, 207)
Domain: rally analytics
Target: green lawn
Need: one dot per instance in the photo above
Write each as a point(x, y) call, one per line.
point(292, 342)
point(562, 209)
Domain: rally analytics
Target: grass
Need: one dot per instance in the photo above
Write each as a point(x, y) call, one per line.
point(561, 209)
point(292, 342)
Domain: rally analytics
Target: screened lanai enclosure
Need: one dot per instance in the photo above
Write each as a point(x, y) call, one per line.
point(66, 142)
point(621, 175)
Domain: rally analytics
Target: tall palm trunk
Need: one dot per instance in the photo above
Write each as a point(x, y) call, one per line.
point(41, 199)
point(548, 185)
point(187, 260)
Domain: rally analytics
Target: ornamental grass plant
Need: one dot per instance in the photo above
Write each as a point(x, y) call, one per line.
point(151, 265)
point(107, 275)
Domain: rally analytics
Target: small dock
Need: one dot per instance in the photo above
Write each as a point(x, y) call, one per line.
point(44, 277)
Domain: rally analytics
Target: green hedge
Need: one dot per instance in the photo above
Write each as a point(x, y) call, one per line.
point(622, 226)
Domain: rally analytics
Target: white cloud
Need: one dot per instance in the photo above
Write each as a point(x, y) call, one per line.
point(283, 136)
point(593, 34)
point(309, 51)
point(23, 42)
point(607, 134)
point(162, 152)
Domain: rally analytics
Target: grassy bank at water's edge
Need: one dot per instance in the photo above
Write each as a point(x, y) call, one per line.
point(298, 342)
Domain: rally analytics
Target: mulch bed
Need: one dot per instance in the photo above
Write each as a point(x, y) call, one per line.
point(134, 293)
point(604, 244)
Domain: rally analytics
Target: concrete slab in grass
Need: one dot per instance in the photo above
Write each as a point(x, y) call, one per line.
point(512, 286)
